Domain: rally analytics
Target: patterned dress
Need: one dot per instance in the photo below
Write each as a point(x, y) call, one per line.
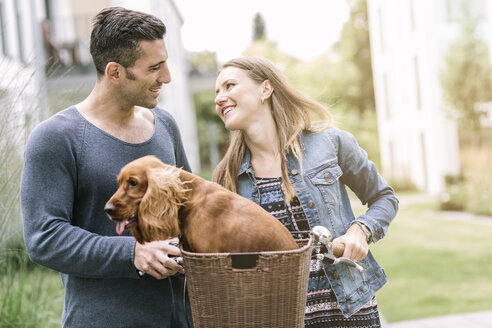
point(321, 309)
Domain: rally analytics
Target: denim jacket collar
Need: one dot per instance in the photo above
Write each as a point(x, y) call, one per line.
point(246, 166)
point(292, 163)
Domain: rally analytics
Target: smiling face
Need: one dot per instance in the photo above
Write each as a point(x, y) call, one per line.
point(142, 82)
point(238, 98)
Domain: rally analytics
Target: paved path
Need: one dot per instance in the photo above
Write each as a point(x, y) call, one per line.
point(467, 320)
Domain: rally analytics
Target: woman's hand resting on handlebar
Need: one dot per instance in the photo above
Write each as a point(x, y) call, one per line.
point(356, 247)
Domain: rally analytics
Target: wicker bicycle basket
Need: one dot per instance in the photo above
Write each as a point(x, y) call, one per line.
point(266, 289)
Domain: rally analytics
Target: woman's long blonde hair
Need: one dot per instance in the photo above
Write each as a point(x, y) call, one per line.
point(293, 112)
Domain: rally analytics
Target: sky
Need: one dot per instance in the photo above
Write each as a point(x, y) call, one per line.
point(304, 29)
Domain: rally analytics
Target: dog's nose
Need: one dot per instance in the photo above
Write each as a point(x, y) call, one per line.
point(109, 209)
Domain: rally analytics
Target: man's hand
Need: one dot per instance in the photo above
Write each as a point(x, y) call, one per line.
point(356, 247)
point(153, 258)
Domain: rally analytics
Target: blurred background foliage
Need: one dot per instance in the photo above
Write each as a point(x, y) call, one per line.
point(466, 80)
point(30, 295)
point(340, 79)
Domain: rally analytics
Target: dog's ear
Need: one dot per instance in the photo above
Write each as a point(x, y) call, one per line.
point(158, 210)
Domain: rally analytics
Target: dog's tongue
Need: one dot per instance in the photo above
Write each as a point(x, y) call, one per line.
point(120, 227)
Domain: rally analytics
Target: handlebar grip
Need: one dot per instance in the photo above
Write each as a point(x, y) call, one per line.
point(338, 249)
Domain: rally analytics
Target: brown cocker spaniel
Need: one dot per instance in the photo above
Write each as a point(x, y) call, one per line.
point(156, 201)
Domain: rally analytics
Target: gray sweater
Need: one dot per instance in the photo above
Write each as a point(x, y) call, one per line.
point(69, 174)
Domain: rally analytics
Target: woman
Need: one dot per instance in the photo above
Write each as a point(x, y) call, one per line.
point(297, 169)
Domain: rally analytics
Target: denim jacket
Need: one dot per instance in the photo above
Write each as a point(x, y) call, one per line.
point(332, 159)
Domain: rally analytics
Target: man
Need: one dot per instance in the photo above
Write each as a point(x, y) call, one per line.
point(71, 164)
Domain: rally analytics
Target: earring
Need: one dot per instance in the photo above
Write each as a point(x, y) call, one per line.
point(262, 100)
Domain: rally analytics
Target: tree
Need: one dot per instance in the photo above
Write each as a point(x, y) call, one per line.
point(354, 49)
point(341, 79)
point(467, 77)
point(259, 32)
point(212, 134)
point(203, 62)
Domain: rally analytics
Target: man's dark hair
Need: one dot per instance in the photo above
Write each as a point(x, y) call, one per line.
point(116, 33)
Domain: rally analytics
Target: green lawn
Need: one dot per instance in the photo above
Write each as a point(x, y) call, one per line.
point(434, 266)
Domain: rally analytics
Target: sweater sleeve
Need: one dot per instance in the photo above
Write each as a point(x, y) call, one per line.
point(48, 192)
point(360, 175)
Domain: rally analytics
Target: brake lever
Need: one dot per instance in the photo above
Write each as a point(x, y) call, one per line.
point(335, 260)
point(327, 250)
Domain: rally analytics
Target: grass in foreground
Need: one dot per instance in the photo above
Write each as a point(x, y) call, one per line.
point(435, 267)
point(30, 295)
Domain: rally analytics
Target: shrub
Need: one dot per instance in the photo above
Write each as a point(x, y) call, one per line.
point(402, 185)
point(29, 294)
point(471, 191)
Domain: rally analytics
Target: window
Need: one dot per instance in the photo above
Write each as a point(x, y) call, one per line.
point(386, 97)
point(412, 15)
point(381, 30)
point(417, 82)
point(424, 160)
point(391, 149)
point(18, 24)
point(3, 33)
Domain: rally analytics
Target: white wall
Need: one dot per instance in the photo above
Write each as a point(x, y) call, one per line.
point(21, 60)
point(409, 39)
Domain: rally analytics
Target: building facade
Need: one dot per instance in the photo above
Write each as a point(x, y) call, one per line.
point(409, 42)
point(21, 58)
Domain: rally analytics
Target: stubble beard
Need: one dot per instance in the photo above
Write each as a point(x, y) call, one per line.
point(138, 100)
